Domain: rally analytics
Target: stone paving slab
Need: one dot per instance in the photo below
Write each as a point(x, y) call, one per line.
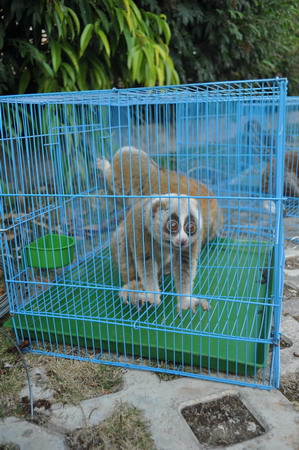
point(289, 363)
point(161, 403)
point(29, 436)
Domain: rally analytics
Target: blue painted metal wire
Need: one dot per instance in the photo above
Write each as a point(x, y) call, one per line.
point(64, 294)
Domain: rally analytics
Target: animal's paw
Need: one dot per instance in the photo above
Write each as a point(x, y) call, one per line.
point(137, 298)
point(103, 164)
point(153, 299)
point(127, 295)
point(185, 303)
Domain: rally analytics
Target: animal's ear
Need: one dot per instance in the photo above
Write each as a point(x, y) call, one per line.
point(158, 204)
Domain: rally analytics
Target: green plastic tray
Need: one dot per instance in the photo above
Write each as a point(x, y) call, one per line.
point(233, 336)
point(49, 252)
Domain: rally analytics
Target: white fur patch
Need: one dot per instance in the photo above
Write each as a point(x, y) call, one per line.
point(103, 164)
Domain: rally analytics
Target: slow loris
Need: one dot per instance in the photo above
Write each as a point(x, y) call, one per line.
point(159, 234)
point(132, 172)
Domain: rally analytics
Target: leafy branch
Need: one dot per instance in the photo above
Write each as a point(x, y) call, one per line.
point(68, 45)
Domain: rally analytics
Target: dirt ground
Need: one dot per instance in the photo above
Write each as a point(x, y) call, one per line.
point(292, 263)
point(222, 422)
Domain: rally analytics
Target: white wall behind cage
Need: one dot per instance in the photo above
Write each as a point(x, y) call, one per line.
point(68, 193)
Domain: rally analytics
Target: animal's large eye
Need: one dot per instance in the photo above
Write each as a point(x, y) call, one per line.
point(190, 228)
point(172, 226)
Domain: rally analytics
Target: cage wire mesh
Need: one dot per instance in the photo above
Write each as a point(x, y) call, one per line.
point(136, 230)
point(291, 172)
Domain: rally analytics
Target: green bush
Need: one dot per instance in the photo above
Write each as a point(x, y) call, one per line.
point(72, 45)
point(214, 40)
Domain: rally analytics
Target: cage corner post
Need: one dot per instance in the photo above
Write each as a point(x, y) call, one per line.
point(279, 227)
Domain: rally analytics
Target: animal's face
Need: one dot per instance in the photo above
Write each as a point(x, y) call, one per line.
point(176, 221)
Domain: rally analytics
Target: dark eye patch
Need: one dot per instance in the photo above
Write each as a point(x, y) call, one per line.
point(190, 226)
point(175, 217)
point(172, 224)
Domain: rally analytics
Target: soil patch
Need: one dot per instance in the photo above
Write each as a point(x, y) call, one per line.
point(289, 292)
point(222, 422)
point(292, 263)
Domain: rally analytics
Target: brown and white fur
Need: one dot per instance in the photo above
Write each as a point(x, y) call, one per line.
point(159, 234)
point(132, 172)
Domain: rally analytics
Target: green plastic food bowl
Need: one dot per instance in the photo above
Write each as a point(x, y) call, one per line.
point(50, 252)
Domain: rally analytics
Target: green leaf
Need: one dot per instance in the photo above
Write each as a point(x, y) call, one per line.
point(47, 69)
point(58, 25)
point(127, 15)
point(85, 38)
point(70, 71)
point(75, 19)
point(166, 31)
point(129, 38)
point(136, 64)
point(49, 25)
point(47, 85)
point(66, 48)
point(24, 81)
point(55, 55)
point(103, 19)
point(131, 52)
point(59, 11)
point(136, 10)
point(81, 76)
point(148, 51)
point(150, 76)
point(70, 24)
point(120, 18)
point(104, 39)
point(161, 75)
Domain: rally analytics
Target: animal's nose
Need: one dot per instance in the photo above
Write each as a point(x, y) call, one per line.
point(184, 241)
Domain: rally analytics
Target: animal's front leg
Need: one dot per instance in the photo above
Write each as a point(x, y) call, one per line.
point(184, 274)
point(148, 274)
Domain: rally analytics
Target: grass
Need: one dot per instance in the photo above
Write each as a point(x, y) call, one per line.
point(125, 429)
point(12, 378)
point(72, 381)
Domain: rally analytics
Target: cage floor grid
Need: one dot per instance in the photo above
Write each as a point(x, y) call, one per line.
point(82, 308)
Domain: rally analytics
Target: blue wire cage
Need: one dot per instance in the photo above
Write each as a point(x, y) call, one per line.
point(291, 176)
point(60, 212)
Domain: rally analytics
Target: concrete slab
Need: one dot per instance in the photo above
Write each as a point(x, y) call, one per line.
point(29, 436)
point(162, 401)
point(291, 307)
point(288, 362)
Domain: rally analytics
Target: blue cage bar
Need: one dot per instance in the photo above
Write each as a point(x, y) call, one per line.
point(59, 214)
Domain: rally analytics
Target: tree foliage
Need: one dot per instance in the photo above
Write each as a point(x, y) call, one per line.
point(54, 45)
point(216, 40)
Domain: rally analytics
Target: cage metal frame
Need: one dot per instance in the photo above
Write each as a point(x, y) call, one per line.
point(273, 91)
